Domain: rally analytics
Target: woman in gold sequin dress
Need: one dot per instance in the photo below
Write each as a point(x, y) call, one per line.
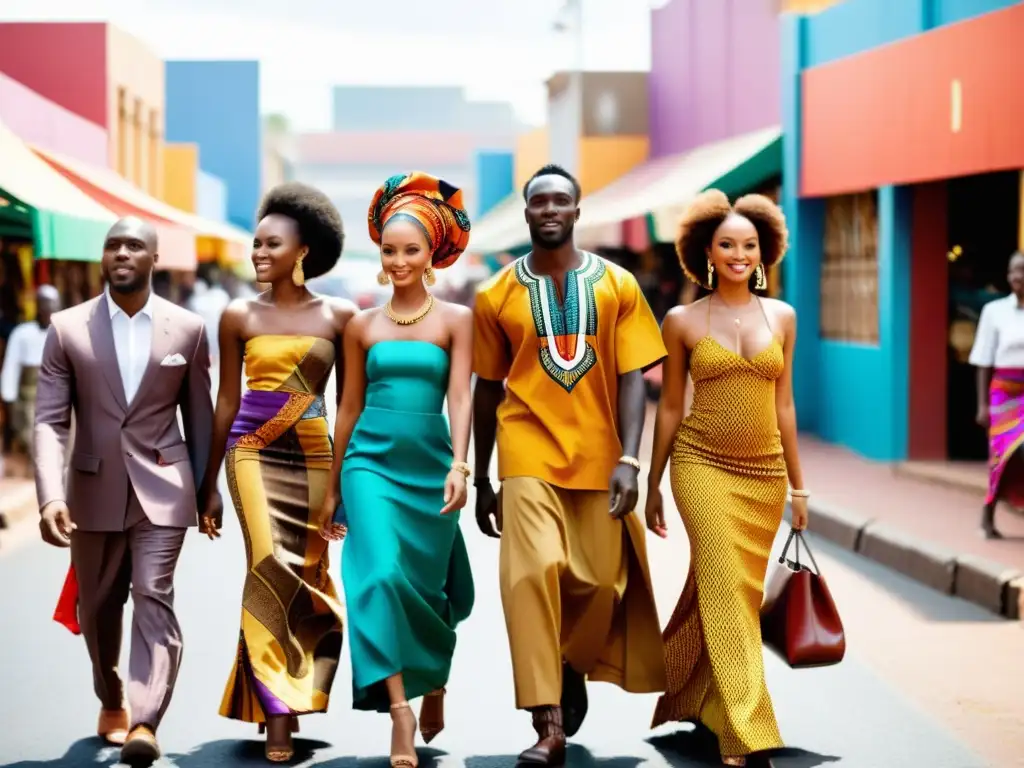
point(731, 457)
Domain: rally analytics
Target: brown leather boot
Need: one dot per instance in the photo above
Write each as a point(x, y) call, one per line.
point(550, 747)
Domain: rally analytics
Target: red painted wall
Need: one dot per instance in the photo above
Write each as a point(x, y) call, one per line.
point(65, 62)
point(929, 292)
point(885, 116)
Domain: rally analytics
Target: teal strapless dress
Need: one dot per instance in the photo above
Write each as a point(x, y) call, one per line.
point(404, 566)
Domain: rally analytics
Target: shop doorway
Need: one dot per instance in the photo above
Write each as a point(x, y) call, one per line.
point(983, 230)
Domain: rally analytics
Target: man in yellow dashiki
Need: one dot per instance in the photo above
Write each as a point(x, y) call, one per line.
point(572, 334)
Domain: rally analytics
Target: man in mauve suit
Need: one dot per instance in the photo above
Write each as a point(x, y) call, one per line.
point(123, 363)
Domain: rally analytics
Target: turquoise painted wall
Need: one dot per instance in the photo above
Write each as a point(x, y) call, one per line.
point(852, 394)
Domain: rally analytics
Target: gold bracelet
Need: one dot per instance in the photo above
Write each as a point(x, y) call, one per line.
point(630, 461)
point(462, 468)
point(799, 494)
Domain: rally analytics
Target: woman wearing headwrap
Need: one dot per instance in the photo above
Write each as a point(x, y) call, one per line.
point(402, 480)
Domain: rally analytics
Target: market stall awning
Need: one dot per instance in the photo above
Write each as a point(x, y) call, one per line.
point(67, 223)
point(501, 228)
point(664, 187)
point(234, 244)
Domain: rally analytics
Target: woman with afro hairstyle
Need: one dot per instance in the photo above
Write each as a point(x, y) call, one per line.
point(401, 465)
point(278, 461)
point(731, 457)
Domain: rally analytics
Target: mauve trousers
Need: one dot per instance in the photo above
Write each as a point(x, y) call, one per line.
point(139, 560)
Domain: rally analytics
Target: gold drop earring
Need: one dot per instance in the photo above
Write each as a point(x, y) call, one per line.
point(711, 274)
point(428, 276)
point(298, 276)
point(382, 278)
point(761, 282)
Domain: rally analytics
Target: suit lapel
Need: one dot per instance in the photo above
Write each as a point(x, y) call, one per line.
point(102, 334)
point(160, 347)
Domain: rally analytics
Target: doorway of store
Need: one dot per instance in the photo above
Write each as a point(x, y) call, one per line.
point(984, 213)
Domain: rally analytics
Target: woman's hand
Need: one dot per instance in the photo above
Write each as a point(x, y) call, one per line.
point(655, 513)
point(330, 530)
point(455, 492)
point(799, 506)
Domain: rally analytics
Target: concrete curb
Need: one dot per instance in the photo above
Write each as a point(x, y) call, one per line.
point(987, 584)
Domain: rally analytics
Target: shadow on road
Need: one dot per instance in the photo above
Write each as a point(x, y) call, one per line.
point(698, 747)
point(577, 757)
point(217, 754)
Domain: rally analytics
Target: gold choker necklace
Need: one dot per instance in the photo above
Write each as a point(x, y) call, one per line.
point(410, 319)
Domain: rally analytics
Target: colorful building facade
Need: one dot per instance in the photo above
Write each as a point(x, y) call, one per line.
point(215, 105)
point(714, 72)
point(103, 75)
point(893, 113)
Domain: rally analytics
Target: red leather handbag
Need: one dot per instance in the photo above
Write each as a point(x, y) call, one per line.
point(799, 619)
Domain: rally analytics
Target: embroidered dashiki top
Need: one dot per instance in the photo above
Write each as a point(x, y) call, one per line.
point(562, 360)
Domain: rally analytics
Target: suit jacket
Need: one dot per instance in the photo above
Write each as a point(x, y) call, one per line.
point(117, 443)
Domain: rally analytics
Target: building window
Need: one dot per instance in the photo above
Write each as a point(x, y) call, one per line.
point(138, 169)
point(849, 269)
point(122, 132)
point(155, 154)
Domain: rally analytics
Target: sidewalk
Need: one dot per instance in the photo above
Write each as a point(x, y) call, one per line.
point(924, 529)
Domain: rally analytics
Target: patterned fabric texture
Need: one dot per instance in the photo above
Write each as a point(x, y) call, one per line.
point(433, 203)
point(729, 483)
point(278, 467)
point(1005, 434)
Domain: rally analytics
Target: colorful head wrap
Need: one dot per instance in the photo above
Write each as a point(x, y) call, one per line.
point(435, 204)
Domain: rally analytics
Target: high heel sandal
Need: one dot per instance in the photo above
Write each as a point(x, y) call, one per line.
point(403, 761)
point(280, 753)
point(432, 715)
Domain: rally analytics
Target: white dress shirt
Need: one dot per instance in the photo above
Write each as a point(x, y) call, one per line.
point(24, 350)
point(999, 340)
point(133, 341)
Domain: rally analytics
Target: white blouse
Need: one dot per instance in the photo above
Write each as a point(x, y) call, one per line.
point(999, 340)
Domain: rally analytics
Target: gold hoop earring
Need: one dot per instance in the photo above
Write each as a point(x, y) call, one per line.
point(761, 281)
point(382, 278)
point(428, 276)
point(711, 274)
point(298, 276)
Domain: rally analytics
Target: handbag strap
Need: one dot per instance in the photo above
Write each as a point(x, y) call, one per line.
point(798, 537)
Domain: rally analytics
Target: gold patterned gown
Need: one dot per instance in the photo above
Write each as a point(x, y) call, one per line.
point(278, 467)
point(729, 483)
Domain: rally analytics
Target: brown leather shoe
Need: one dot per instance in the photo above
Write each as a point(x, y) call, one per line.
point(113, 726)
point(550, 748)
point(141, 749)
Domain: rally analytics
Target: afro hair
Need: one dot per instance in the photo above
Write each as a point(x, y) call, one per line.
point(318, 221)
point(706, 213)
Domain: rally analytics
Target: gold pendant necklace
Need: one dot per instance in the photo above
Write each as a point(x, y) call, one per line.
point(410, 319)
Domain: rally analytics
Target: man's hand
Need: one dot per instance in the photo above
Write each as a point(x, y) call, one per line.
point(488, 510)
point(55, 524)
point(623, 490)
point(211, 516)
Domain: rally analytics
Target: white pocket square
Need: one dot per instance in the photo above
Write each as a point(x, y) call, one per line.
point(173, 360)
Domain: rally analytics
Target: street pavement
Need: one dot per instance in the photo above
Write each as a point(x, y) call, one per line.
point(928, 680)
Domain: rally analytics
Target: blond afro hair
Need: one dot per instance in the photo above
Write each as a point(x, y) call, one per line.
point(707, 212)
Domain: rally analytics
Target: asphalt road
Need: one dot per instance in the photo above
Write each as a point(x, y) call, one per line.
point(928, 680)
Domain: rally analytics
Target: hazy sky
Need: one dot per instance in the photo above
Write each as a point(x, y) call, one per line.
point(497, 49)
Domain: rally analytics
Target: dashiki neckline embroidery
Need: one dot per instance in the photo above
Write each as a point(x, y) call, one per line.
point(566, 356)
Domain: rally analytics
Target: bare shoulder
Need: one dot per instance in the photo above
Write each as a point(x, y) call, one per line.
point(342, 311)
point(356, 325)
point(684, 317)
point(455, 315)
point(778, 310)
